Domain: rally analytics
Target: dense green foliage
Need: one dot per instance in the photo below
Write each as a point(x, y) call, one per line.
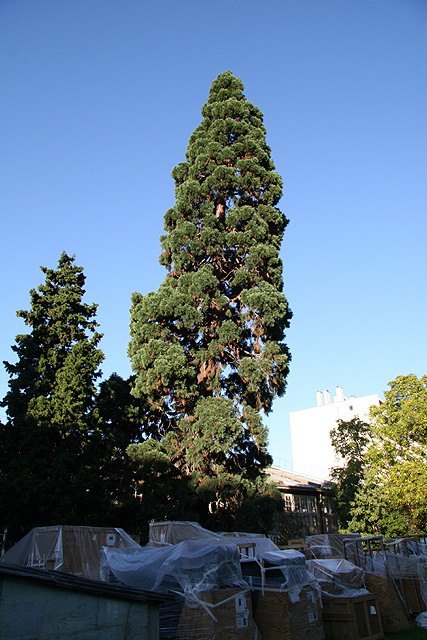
point(390, 499)
point(350, 440)
point(50, 442)
point(207, 347)
point(183, 438)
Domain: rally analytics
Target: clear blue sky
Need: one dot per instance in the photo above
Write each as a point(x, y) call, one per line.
point(98, 100)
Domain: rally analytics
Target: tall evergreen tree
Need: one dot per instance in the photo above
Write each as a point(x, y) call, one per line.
point(47, 465)
point(208, 347)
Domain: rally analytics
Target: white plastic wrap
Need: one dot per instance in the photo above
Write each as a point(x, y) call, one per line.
point(331, 545)
point(70, 549)
point(401, 566)
point(204, 580)
point(188, 567)
point(168, 533)
point(421, 620)
point(279, 569)
point(338, 577)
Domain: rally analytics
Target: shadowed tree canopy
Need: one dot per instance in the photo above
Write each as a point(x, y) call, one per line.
point(208, 347)
point(47, 447)
point(350, 440)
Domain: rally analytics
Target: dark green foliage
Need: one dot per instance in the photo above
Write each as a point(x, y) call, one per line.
point(49, 444)
point(207, 347)
point(121, 418)
point(163, 492)
point(350, 440)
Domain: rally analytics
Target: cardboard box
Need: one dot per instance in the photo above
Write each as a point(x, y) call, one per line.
point(230, 619)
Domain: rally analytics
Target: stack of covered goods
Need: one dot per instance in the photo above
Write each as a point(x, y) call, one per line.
point(397, 576)
point(168, 533)
point(208, 596)
point(338, 577)
point(409, 575)
point(285, 598)
point(69, 549)
point(349, 610)
point(394, 612)
point(333, 545)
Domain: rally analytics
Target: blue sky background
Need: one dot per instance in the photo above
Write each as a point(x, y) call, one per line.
point(98, 101)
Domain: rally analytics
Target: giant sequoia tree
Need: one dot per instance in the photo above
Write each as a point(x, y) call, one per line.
point(208, 347)
point(48, 446)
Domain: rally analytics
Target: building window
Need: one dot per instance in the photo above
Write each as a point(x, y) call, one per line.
point(289, 503)
point(312, 504)
point(327, 505)
point(303, 507)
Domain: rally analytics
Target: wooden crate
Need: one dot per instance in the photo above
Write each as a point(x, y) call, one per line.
point(352, 618)
point(277, 618)
point(232, 617)
point(412, 594)
point(271, 614)
point(393, 612)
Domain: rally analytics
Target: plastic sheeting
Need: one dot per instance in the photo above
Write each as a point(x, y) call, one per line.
point(284, 570)
point(331, 545)
point(172, 533)
point(338, 577)
point(188, 567)
point(421, 620)
point(204, 578)
point(74, 550)
point(401, 566)
point(166, 533)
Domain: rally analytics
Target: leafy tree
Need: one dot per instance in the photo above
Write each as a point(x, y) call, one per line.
point(207, 347)
point(121, 418)
point(391, 499)
point(47, 464)
point(350, 440)
point(163, 492)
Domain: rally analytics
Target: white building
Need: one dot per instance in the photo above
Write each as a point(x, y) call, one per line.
point(312, 450)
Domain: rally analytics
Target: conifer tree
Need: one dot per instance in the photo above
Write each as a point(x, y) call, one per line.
point(208, 347)
point(49, 473)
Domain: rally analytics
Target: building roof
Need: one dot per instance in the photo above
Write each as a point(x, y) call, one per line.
point(75, 583)
point(290, 479)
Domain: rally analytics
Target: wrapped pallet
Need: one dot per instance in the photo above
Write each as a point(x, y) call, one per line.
point(332, 545)
point(352, 618)
point(394, 615)
point(208, 597)
point(285, 598)
point(70, 549)
point(409, 574)
point(337, 577)
point(349, 612)
point(222, 613)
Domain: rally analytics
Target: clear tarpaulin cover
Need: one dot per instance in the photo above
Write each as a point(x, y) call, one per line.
point(338, 577)
point(69, 549)
point(331, 545)
point(188, 567)
point(203, 578)
point(174, 532)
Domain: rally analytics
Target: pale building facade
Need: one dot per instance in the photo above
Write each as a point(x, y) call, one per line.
point(310, 428)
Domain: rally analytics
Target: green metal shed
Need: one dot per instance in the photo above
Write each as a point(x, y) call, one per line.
point(38, 604)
